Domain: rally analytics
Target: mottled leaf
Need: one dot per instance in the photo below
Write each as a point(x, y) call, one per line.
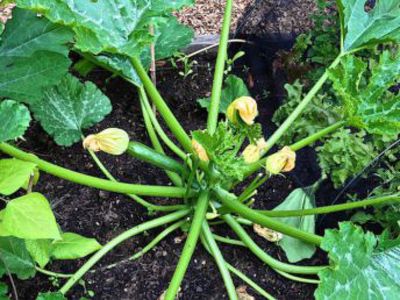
point(14, 120)
point(14, 258)
point(33, 55)
point(360, 270)
point(380, 24)
point(14, 174)
point(70, 107)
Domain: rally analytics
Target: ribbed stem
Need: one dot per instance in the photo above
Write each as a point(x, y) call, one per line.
point(102, 184)
point(219, 70)
point(190, 245)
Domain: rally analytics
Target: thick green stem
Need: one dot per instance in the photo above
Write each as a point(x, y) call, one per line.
point(139, 200)
point(300, 108)
point(219, 259)
point(331, 208)
point(230, 201)
point(118, 240)
point(102, 184)
point(241, 275)
point(190, 245)
point(176, 179)
point(269, 260)
point(162, 107)
point(156, 125)
point(219, 70)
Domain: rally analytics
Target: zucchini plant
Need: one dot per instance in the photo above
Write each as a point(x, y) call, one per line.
point(207, 164)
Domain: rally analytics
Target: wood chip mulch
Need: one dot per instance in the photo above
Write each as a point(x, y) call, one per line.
point(206, 15)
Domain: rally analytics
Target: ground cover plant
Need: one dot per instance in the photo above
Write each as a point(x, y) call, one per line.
point(351, 106)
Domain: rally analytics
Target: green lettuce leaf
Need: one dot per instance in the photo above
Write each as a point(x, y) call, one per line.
point(70, 107)
point(233, 89)
point(301, 198)
point(380, 24)
point(14, 258)
point(345, 155)
point(33, 55)
point(361, 270)
point(14, 174)
point(367, 102)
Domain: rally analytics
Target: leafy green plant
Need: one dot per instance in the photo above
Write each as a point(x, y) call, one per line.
point(210, 162)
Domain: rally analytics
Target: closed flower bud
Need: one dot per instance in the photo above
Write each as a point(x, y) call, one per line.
point(200, 151)
point(282, 161)
point(246, 107)
point(113, 141)
point(252, 153)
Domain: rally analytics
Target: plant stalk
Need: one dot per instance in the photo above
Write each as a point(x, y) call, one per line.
point(269, 260)
point(300, 108)
point(230, 201)
point(331, 208)
point(219, 259)
point(102, 184)
point(118, 240)
point(219, 70)
point(162, 107)
point(190, 245)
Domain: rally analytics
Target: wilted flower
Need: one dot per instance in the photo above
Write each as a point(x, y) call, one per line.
point(113, 141)
point(268, 234)
point(252, 153)
point(246, 107)
point(282, 161)
point(200, 151)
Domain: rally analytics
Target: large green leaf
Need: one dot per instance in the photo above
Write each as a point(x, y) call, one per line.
point(27, 34)
point(14, 174)
point(233, 89)
point(363, 28)
point(108, 25)
point(70, 107)
point(73, 246)
point(14, 120)
point(29, 217)
point(33, 55)
point(368, 103)
point(360, 270)
point(14, 258)
point(301, 198)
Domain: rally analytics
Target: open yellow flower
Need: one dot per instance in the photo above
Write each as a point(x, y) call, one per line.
point(282, 161)
point(252, 153)
point(113, 141)
point(200, 151)
point(247, 109)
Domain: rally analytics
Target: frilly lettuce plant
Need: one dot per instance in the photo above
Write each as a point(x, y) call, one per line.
point(208, 163)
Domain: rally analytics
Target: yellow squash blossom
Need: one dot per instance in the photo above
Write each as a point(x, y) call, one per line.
point(200, 151)
point(252, 153)
point(113, 141)
point(282, 161)
point(246, 107)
